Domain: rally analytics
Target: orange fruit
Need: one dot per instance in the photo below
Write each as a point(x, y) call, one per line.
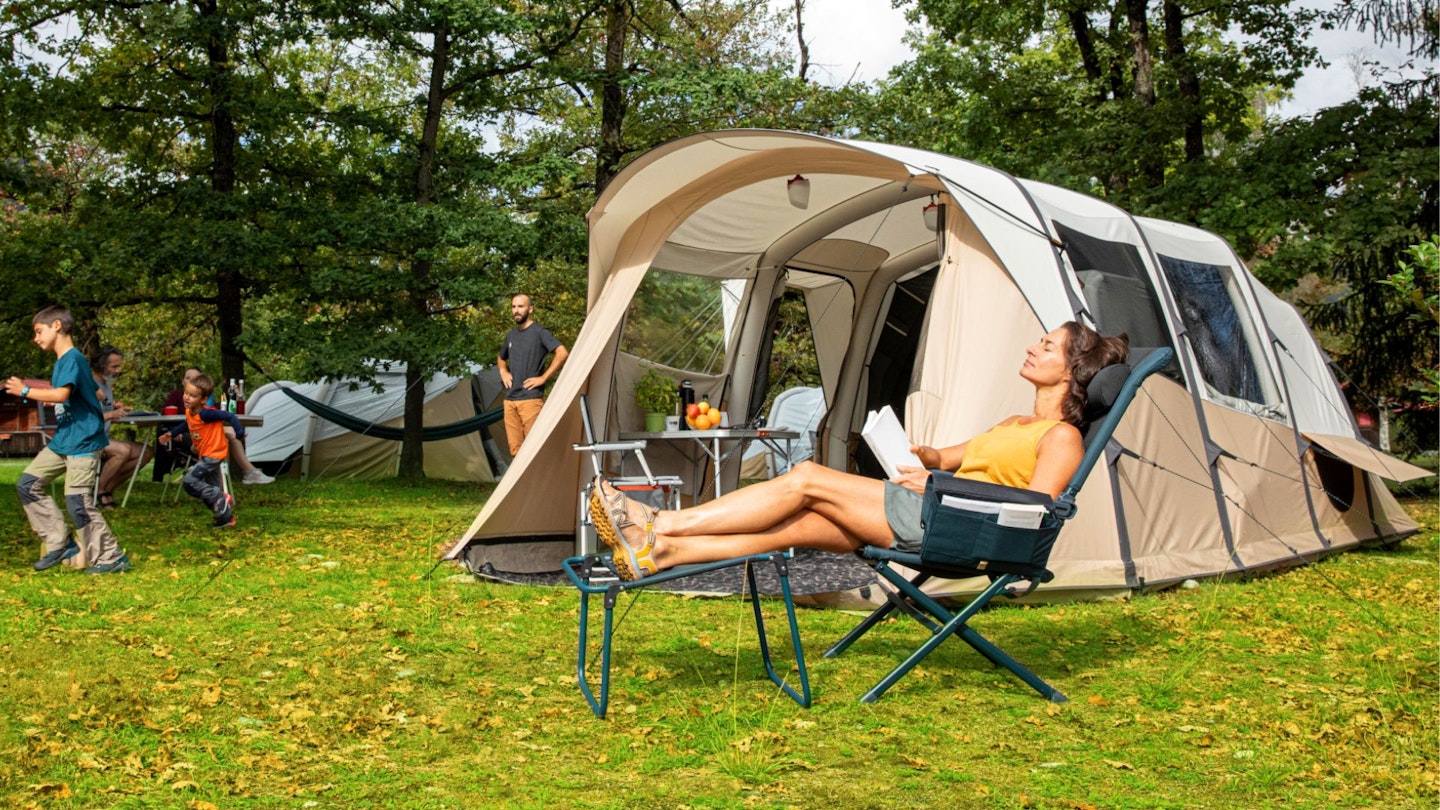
point(704, 407)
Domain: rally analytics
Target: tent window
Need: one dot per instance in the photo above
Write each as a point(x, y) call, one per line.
point(1118, 292)
point(1223, 340)
point(680, 321)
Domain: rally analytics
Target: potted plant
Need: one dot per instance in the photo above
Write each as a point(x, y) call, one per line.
point(657, 397)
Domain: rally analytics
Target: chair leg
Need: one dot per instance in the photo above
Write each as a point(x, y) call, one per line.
point(782, 569)
point(956, 624)
point(999, 657)
point(598, 704)
point(876, 617)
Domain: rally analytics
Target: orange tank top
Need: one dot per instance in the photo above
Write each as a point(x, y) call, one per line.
point(1005, 454)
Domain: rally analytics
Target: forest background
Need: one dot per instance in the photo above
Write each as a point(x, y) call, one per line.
point(294, 189)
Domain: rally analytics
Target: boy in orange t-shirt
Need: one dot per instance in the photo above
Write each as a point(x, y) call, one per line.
point(207, 438)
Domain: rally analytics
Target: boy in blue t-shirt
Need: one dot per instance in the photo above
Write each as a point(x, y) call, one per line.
point(74, 451)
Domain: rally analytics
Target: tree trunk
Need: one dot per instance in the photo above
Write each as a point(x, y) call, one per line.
point(1080, 29)
point(224, 142)
point(800, 38)
point(1184, 67)
point(1141, 63)
point(612, 97)
point(412, 445)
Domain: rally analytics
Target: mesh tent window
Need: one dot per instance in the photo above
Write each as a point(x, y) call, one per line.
point(1222, 339)
point(1118, 292)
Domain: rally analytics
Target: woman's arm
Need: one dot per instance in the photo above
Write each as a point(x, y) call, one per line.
point(945, 458)
point(1057, 457)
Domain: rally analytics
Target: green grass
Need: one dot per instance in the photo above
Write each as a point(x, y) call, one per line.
point(303, 660)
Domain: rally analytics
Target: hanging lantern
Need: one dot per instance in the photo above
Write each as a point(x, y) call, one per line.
point(799, 190)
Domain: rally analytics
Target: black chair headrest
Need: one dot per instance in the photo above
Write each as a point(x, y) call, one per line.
point(1105, 386)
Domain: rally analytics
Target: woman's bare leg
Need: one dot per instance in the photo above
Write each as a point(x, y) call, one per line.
point(237, 452)
point(852, 501)
point(810, 506)
point(807, 530)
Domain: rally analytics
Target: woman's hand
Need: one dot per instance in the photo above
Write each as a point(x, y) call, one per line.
point(929, 456)
point(912, 478)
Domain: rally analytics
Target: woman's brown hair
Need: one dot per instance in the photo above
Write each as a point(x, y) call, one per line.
point(1086, 352)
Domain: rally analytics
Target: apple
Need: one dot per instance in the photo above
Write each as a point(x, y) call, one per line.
point(692, 410)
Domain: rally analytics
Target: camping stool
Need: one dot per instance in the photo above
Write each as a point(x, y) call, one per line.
point(965, 539)
point(591, 574)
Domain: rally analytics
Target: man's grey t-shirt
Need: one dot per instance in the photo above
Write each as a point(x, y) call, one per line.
point(525, 351)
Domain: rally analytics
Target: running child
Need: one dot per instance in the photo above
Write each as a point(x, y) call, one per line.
point(206, 427)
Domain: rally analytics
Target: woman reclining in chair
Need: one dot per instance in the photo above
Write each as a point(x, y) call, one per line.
point(817, 507)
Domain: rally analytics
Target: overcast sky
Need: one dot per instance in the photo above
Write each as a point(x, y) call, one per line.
point(861, 40)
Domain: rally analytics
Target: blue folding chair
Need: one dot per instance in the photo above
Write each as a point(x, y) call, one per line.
point(964, 542)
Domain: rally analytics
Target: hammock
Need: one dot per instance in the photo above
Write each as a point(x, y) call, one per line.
point(429, 434)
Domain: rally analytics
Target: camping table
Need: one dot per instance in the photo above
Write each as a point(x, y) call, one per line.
point(161, 421)
point(710, 444)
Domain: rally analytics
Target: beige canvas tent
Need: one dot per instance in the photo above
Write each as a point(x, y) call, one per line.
point(1243, 456)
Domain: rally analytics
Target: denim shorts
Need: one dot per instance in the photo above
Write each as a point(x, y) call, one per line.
point(902, 512)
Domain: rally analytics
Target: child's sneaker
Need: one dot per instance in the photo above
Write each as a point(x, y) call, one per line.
point(256, 476)
point(225, 512)
point(58, 556)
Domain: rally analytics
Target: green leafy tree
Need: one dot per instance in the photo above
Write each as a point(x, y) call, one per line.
point(161, 129)
point(419, 238)
point(1103, 98)
point(1417, 285)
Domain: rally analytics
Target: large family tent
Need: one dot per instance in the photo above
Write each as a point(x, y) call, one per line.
point(317, 447)
point(924, 278)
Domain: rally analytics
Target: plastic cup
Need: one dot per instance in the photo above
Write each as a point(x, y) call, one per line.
point(171, 410)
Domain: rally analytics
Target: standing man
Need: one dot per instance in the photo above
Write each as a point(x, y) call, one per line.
point(521, 361)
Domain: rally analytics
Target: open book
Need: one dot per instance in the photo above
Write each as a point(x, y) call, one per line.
point(887, 440)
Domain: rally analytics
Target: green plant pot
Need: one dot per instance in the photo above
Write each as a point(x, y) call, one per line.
point(654, 422)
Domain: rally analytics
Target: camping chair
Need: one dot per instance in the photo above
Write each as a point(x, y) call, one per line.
point(660, 492)
point(592, 575)
point(963, 539)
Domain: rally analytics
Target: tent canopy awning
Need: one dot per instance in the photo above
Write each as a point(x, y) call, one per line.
point(1362, 455)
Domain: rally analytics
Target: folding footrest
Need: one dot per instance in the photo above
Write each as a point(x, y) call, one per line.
point(585, 572)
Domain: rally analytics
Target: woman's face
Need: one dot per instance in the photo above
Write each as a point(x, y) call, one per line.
point(1045, 361)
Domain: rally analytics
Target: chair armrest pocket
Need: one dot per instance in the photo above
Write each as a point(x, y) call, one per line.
point(961, 538)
